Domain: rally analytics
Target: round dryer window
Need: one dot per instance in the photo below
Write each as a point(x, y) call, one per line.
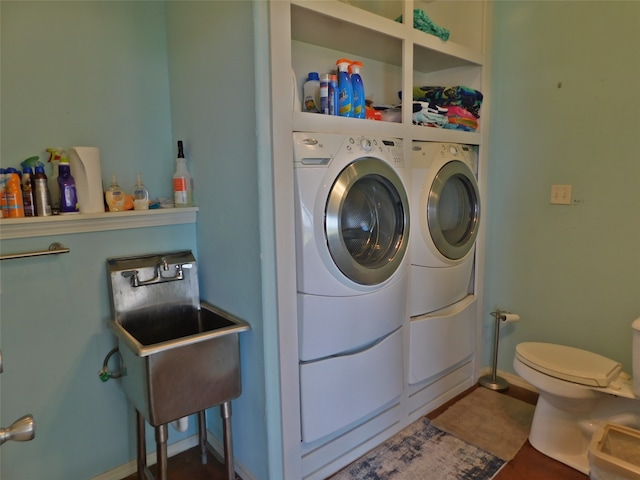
point(367, 221)
point(453, 210)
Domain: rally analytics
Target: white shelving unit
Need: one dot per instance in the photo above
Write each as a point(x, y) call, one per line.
point(310, 35)
point(396, 57)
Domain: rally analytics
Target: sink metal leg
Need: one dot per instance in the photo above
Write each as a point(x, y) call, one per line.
point(225, 413)
point(202, 435)
point(141, 446)
point(162, 434)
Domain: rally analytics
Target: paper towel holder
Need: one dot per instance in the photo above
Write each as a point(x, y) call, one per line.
point(493, 381)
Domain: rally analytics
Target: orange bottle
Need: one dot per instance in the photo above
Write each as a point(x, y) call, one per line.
point(12, 194)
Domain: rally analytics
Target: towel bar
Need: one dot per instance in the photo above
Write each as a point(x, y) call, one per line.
point(54, 249)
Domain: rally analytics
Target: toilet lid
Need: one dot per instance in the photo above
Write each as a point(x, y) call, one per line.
point(568, 363)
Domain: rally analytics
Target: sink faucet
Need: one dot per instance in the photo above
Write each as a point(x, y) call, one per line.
point(163, 263)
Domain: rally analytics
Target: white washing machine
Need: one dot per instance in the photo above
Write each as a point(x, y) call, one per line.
point(445, 206)
point(352, 235)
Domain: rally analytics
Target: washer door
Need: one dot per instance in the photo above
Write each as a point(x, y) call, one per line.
point(453, 210)
point(367, 222)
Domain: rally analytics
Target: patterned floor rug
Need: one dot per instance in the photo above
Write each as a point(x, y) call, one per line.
point(423, 452)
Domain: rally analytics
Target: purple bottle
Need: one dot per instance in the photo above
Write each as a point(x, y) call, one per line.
point(68, 194)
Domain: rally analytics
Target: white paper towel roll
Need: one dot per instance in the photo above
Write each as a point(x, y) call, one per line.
point(85, 168)
point(510, 317)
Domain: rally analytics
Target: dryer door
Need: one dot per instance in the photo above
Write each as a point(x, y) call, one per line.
point(453, 210)
point(367, 221)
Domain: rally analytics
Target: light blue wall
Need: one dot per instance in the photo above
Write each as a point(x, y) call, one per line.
point(54, 313)
point(213, 108)
point(564, 111)
point(89, 74)
point(78, 73)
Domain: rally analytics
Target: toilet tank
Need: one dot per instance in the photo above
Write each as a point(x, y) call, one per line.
point(636, 356)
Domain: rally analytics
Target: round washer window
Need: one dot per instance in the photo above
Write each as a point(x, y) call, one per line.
point(366, 221)
point(453, 210)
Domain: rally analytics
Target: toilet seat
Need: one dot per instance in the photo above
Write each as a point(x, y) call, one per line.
point(569, 363)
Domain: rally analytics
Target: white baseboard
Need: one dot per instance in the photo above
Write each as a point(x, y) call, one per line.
point(511, 378)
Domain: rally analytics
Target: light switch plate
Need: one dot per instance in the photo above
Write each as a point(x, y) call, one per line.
point(560, 195)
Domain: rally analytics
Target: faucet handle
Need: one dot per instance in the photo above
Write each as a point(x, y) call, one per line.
point(134, 277)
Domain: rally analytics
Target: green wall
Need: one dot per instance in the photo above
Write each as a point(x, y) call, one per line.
point(565, 102)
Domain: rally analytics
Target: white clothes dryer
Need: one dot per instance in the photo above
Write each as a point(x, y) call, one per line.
point(352, 236)
point(445, 204)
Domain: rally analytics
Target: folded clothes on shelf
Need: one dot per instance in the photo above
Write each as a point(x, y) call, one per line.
point(421, 21)
point(430, 116)
point(457, 96)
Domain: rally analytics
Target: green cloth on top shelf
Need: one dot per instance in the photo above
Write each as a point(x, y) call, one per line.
point(422, 22)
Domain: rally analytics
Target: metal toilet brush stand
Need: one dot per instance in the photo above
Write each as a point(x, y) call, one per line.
point(493, 381)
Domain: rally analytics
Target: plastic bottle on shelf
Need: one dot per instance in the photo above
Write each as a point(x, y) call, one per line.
point(182, 181)
point(140, 195)
point(345, 88)
point(311, 90)
point(55, 155)
point(324, 94)
point(12, 194)
point(334, 102)
point(115, 196)
point(67, 186)
point(359, 103)
point(41, 195)
point(27, 193)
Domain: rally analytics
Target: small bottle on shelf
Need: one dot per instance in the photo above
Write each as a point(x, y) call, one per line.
point(324, 94)
point(311, 90)
point(41, 194)
point(182, 181)
point(345, 87)
point(115, 196)
point(334, 102)
point(27, 193)
point(359, 105)
point(140, 195)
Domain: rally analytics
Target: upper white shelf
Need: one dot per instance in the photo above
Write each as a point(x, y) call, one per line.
point(11, 228)
point(343, 27)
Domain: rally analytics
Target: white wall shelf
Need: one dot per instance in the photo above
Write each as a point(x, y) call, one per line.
point(12, 228)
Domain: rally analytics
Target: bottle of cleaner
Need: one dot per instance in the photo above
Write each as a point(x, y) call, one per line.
point(115, 196)
point(182, 181)
point(12, 194)
point(345, 88)
point(334, 102)
point(41, 195)
point(67, 187)
point(55, 155)
point(324, 94)
point(311, 90)
point(140, 195)
point(359, 105)
point(27, 193)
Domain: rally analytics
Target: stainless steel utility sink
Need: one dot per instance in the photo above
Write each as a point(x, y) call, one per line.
point(179, 360)
point(181, 355)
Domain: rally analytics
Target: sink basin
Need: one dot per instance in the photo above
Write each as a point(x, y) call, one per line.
point(179, 359)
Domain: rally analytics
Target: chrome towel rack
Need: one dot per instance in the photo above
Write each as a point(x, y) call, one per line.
point(54, 249)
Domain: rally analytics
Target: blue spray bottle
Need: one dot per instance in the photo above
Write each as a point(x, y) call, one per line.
point(345, 95)
point(359, 105)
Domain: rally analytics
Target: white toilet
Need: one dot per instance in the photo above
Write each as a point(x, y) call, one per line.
point(578, 391)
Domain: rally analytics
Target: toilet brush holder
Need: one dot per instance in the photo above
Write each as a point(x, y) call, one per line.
point(493, 381)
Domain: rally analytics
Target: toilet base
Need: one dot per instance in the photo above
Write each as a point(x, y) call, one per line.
point(558, 435)
point(565, 435)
